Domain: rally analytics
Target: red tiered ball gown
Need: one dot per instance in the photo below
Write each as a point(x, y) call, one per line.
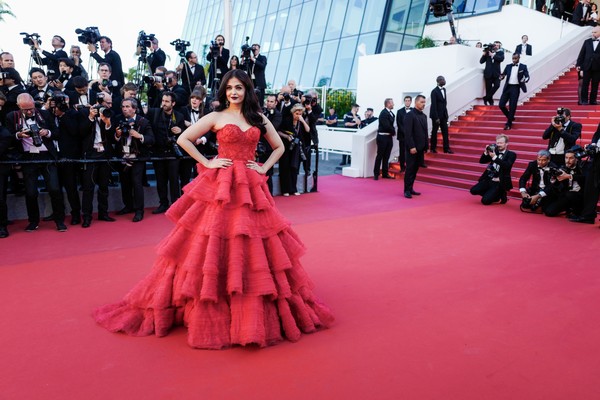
point(230, 268)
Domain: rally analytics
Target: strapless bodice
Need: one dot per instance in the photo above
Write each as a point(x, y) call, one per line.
point(236, 144)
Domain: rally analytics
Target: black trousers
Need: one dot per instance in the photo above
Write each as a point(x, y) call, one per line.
point(132, 188)
point(384, 150)
point(491, 87)
point(568, 201)
point(402, 153)
point(97, 173)
point(594, 78)
point(413, 161)
point(288, 173)
point(4, 173)
point(489, 190)
point(510, 95)
point(590, 195)
point(186, 168)
point(443, 126)
point(67, 175)
point(50, 173)
point(167, 181)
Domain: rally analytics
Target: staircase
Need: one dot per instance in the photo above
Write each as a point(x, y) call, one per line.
point(470, 133)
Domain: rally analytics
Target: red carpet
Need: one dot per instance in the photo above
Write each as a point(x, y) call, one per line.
point(436, 297)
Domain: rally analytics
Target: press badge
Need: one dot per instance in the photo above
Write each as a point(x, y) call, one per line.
point(125, 149)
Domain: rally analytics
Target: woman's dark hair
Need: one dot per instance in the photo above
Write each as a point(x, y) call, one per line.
point(236, 59)
point(250, 107)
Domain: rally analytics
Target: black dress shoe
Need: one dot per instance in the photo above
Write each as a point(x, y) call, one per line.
point(593, 103)
point(48, 218)
point(507, 127)
point(582, 220)
point(402, 169)
point(387, 177)
point(3, 232)
point(375, 177)
point(87, 221)
point(160, 210)
point(423, 165)
point(139, 215)
point(124, 210)
point(415, 193)
point(448, 151)
point(106, 217)
point(503, 200)
point(407, 194)
point(75, 219)
point(434, 151)
point(584, 103)
point(61, 227)
point(32, 226)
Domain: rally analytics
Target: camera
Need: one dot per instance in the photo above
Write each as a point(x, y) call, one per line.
point(246, 48)
point(440, 8)
point(34, 132)
point(555, 172)
point(152, 79)
point(63, 77)
point(3, 74)
point(286, 96)
point(89, 35)
point(560, 116)
point(180, 46)
point(109, 83)
point(488, 47)
point(527, 205)
point(174, 147)
point(125, 127)
point(587, 151)
point(214, 49)
point(308, 99)
point(490, 148)
point(145, 40)
point(105, 111)
point(28, 39)
point(60, 100)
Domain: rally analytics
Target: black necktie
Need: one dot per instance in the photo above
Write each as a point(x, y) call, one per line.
point(196, 112)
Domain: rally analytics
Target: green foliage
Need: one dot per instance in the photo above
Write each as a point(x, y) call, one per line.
point(5, 10)
point(425, 42)
point(341, 100)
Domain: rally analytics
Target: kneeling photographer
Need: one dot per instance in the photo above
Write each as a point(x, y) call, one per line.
point(535, 193)
point(562, 134)
point(166, 124)
point(592, 181)
point(566, 191)
point(495, 181)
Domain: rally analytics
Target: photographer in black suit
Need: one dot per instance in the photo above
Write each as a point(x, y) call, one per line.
point(385, 140)
point(264, 148)
point(111, 57)
point(566, 192)
point(40, 90)
point(255, 66)
point(191, 72)
point(588, 65)
point(170, 85)
point(492, 57)
point(592, 182)
point(562, 134)
point(51, 59)
point(535, 194)
point(415, 133)
point(157, 56)
point(218, 57)
point(524, 48)
point(495, 181)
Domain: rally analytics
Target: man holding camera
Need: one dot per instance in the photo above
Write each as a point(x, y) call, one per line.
point(495, 181)
point(97, 146)
point(218, 57)
point(566, 192)
point(535, 194)
point(516, 75)
point(12, 86)
point(264, 148)
point(51, 59)
point(111, 57)
point(166, 124)
point(592, 182)
point(105, 85)
point(562, 134)
point(134, 138)
point(255, 67)
point(492, 57)
point(191, 72)
point(157, 56)
point(170, 85)
point(39, 90)
point(36, 132)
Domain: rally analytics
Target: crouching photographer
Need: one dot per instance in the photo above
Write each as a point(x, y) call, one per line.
point(166, 124)
point(592, 181)
point(495, 181)
point(535, 193)
point(562, 134)
point(566, 190)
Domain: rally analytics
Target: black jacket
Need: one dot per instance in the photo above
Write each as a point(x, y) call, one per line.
point(69, 142)
point(588, 58)
point(569, 135)
point(492, 64)
point(189, 79)
point(156, 59)
point(161, 127)
point(504, 164)
point(533, 172)
point(415, 130)
point(386, 122)
point(88, 135)
point(141, 125)
point(400, 116)
point(439, 103)
point(112, 58)
point(14, 123)
point(221, 65)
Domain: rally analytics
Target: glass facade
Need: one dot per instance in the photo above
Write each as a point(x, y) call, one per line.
point(315, 42)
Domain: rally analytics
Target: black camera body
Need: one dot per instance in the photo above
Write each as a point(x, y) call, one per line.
point(89, 35)
point(180, 46)
point(587, 151)
point(34, 132)
point(488, 47)
point(109, 83)
point(125, 127)
point(214, 49)
point(490, 147)
point(246, 48)
point(152, 79)
point(145, 40)
point(560, 116)
point(555, 172)
point(526, 204)
point(105, 111)
point(174, 147)
point(60, 100)
point(28, 39)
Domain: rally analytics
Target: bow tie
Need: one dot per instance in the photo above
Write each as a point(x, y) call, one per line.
point(516, 65)
point(195, 111)
point(595, 40)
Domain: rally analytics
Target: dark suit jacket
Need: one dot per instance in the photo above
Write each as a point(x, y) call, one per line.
point(579, 17)
point(141, 125)
point(523, 76)
point(14, 121)
point(51, 60)
point(492, 64)
point(274, 117)
point(386, 122)
point(588, 58)
point(415, 130)
point(570, 134)
point(532, 172)
point(189, 79)
point(258, 69)
point(161, 125)
point(505, 163)
point(528, 49)
point(88, 135)
point(114, 60)
point(400, 116)
point(69, 142)
point(221, 64)
point(156, 59)
point(438, 109)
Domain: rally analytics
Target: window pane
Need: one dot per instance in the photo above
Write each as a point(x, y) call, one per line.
point(310, 66)
point(398, 14)
point(373, 15)
point(343, 62)
point(296, 64)
point(354, 16)
point(280, 25)
point(409, 42)
point(291, 28)
point(284, 4)
point(282, 68)
point(268, 33)
point(391, 42)
point(320, 22)
point(262, 7)
point(272, 59)
point(273, 6)
point(336, 19)
point(258, 29)
point(306, 20)
point(416, 18)
point(326, 61)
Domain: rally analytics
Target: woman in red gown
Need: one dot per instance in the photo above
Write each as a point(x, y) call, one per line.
point(229, 270)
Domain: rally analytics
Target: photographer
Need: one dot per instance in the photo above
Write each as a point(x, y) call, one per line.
point(289, 164)
point(218, 57)
point(63, 81)
point(39, 89)
point(495, 181)
point(12, 86)
point(295, 94)
point(562, 134)
point(492, 57)
point(51, 59)
point(36, 132)
point(566, 192)
point(310, 139)
point(535, 194)
point(105, 85)
point(111, 57)
point(166, 124)
point(191, 72)
point(6, 141)
point(97, 131)
point(157, 56)
point(285, 104)
point(133, 137)
point(592, 181)
point(264, 149)
point(170, 85)
point(75, 56)
point(80, 96)
point(254, 64)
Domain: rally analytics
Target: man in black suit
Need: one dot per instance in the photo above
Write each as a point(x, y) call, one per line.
point(111, 57)
point(588, 64)
point(400, 115)
point(567, 188)
point(218, 57)
point(36, 133)
point(415, 133)
point(264, 148)
point(535, 194)
point(191, 72)
point(50, 59)
point(524, 48)
point(385, 140)
point(256, 70)
point(439, 115)
point(157, 56)
point(171, 85)
point(516, 75)
point(6, 142)
point(12, 87)
point(592, 183)
point(562, 134)
point(39, 89)
point(495, 181)
point(581, 14)
point(492, 58)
